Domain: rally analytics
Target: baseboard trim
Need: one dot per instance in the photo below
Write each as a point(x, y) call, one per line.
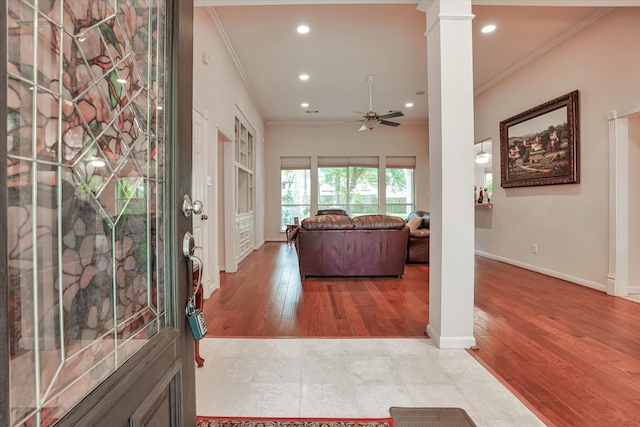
point(577, 280)
point(633, 290)
point(258, 245)
point(450, 342)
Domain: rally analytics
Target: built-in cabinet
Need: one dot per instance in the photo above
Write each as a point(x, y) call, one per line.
point(244, 147)
point(244, 235)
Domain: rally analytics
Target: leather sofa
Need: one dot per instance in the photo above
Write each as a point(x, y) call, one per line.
point(418, 248)
point(338, 245)
point(332, 211)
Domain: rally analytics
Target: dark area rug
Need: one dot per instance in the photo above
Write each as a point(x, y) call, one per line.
point(292, 422)
point(430, 417)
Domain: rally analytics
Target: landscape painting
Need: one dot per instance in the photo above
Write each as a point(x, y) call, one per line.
point(540, 145)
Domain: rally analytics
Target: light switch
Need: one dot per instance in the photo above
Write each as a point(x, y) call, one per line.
point(209, 181)
point(205, 57)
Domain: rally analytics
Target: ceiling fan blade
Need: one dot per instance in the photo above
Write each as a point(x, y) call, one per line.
point(392, 115)
point(362, 113)
point(352, 121)
point(388, 123)
point(363, 127)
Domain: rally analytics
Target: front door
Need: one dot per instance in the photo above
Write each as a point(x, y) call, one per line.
point(93, 284)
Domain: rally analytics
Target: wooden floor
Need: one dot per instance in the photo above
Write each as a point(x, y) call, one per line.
point(267, 298)
point(571, 353)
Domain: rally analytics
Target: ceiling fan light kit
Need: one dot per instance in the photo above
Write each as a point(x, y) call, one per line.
point(371, 119)
point(482, 157)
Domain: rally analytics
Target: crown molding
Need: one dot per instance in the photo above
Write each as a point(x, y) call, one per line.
point(294, 2)
point(624, 112)
point(332, 122)
point(234, 57)
point(591, 18)
point(423, 3)
point(227, 44)
point(201, 109)
point(558, 3)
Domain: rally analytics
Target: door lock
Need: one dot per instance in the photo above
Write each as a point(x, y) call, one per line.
point(188, 245)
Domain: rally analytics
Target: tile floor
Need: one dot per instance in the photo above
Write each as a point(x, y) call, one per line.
point(355, 378)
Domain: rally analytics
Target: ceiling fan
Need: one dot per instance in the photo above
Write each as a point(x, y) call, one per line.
point(371, 119)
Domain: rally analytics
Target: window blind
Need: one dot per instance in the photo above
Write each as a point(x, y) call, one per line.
point(403, 162)
point(334, 162)
point(292, 162)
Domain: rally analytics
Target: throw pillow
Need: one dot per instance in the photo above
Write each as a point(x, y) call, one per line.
point(414, 223)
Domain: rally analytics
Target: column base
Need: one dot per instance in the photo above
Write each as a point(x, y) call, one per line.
point(450, 342)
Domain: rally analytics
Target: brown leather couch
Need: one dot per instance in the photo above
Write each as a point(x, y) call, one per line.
point(418, 248)
point(338, 245)
point(332, 211)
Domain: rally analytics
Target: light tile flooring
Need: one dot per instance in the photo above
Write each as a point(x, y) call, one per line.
point(355, 378)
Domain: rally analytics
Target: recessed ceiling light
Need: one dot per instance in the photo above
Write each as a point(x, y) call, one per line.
point(304, 104)
point(488, 28)
point(409, 104)
point(121, 80)
point(303, 29)
point(304, 77)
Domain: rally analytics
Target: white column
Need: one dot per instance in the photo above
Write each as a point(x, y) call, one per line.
point(451, 170)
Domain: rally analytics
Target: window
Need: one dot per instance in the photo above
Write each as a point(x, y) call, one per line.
point(400, 194)
point(295, 181)
point(349, 183)
point(400, 186)
point(488, 181)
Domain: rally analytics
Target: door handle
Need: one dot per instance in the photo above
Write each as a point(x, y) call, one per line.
point(189, 207)
point(195, 317)
point(188, 249)
point(204, 217)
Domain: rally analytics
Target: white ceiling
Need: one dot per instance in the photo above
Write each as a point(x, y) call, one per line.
point(347, 42)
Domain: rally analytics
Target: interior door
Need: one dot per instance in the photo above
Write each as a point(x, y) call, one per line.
point(93, 284)
point(199, 181)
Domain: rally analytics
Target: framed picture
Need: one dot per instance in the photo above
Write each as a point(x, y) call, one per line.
point(540, 145)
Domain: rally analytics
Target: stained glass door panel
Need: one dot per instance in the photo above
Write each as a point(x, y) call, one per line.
point(85, 144)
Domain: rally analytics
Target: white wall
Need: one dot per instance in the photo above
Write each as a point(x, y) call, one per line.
point(569, 223)
point(634, 200)
point(219, 88)
point(409, 139)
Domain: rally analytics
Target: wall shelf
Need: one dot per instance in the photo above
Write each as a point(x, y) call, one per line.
point(484, 205)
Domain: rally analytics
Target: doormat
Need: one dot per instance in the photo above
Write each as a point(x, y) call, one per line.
point(292, 422)
point(430, 417)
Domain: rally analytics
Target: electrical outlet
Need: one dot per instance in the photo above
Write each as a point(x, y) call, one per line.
point(534, 248)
